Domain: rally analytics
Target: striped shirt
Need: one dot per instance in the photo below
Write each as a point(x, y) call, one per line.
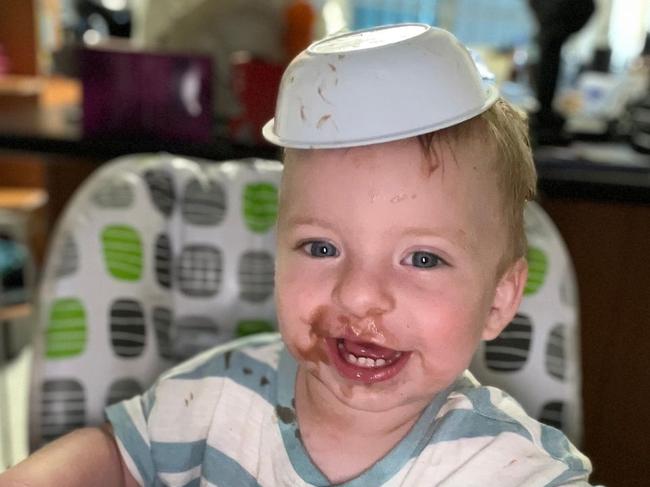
point(226, 418)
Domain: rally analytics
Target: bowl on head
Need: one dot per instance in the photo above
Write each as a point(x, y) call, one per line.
point(377, 85)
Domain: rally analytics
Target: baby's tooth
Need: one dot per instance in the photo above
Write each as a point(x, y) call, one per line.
point(366, 362)
point(340, 346)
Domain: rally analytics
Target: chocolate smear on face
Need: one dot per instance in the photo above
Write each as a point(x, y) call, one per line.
point(365, 329)
point(323, 325)
point(316, 351)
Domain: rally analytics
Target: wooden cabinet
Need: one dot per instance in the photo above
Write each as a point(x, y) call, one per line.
point(610, 246)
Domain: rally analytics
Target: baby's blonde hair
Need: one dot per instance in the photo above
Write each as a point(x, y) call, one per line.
point(504, 129)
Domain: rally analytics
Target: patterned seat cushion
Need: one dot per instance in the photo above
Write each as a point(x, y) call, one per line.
point(157, 257)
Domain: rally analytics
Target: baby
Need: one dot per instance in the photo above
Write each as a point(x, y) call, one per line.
point(396, 255)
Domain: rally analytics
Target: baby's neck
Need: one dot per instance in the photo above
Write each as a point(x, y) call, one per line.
point(343, 441)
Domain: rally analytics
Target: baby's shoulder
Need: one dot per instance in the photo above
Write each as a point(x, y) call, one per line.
point(488, 430)
point(249, 364)
point(263, 348)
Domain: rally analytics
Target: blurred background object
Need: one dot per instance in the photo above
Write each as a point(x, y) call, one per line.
point(21, 227)
point(636, 119)
point(560, 60)
point(161, 96)
point(21, 239)
point(18, 36)
point(255, 84)
point(217, 28)
point(557, 20)
point(299, 19)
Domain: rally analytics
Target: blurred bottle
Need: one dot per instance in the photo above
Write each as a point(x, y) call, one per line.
point(299, 18)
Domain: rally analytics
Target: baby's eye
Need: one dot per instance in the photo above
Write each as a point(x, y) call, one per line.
point(320, 248)
point(423, 260)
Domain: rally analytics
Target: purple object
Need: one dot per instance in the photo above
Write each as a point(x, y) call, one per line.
point(130, 94)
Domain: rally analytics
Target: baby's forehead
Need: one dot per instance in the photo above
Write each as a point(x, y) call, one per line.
point(460, 146)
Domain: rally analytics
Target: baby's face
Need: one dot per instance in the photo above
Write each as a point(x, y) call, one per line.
point(386, 275)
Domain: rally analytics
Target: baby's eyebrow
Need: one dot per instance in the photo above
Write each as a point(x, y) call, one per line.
point(456, 235)
point(301, 220)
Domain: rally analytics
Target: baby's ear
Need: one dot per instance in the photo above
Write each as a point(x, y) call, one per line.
point(507, 298)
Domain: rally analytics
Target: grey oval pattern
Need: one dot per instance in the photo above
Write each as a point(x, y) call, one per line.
point(63, 408)
point(163, 256)
point(256, 272)
point(127, 327)
point(193, 334)
point(68, 259)
point(162, 323)
point(114, 193)
point(198, 271)
point(204, 202)
point(510, 350)
point(161, 190)
point(122, 389)
point(552, 414)
point(555, 357)
point(568, 290)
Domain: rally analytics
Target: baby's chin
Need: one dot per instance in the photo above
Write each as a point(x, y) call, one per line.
point(327, 385)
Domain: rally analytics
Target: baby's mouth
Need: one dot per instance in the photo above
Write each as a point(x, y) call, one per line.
point(365, 362)
point(366, 355)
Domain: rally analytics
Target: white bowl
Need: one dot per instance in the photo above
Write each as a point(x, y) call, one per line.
point(377, 85)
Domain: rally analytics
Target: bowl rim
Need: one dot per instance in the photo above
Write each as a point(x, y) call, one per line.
point(312, 48)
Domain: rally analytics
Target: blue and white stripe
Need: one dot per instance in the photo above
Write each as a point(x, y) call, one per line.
point(212, 421)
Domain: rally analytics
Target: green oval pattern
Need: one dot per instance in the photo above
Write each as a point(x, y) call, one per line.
point(260, 206)
point(122, 250)
point(66, 331)
point(537, 268)
point(250, 327)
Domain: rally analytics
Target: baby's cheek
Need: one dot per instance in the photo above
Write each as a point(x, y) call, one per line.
point(448, 345)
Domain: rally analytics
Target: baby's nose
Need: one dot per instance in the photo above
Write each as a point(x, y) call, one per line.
point(361, 291)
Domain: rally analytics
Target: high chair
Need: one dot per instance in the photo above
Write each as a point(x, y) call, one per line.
point(155, 258)
point(536, 358)
point(158, 257)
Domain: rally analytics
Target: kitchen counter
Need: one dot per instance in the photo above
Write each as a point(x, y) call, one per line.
point(595, 171)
